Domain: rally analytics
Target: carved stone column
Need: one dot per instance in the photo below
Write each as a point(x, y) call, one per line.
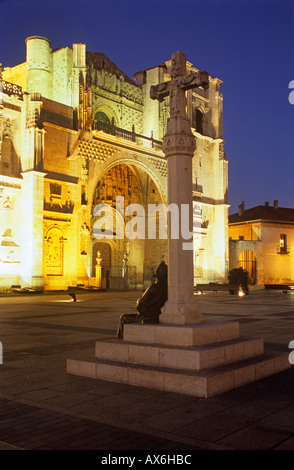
point(181, 307)
point(34, 135)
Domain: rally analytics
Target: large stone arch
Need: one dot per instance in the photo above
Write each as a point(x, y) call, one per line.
point(255, 247)
point(108, 110)
point(149, 165)
point(142, 255)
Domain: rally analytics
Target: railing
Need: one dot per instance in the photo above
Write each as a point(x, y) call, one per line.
point(10, 88)
point(131, 136)
point(119, 277)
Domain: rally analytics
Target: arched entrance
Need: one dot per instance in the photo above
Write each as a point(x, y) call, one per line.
point(138, 256)
point(247, 261)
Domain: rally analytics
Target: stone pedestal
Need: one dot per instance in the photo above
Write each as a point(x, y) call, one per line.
point(202, 360)
point(98, 278)
point(98, 270)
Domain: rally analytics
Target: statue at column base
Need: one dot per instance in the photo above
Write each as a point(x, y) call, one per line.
point(149, 303)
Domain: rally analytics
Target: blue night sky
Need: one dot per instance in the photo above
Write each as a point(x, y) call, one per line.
point(248, 44)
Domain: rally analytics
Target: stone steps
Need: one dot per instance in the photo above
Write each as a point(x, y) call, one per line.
point(202, 359)
point(185, 357)
point(205, 383)
point(197, 334)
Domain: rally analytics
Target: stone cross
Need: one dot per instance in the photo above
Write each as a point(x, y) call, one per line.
point(175, 89)
point(179, 145)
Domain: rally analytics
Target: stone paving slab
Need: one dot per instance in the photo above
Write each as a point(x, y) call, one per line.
point(43, 407)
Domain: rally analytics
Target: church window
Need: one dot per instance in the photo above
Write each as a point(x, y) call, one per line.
point(102, 117)
point(283, 243)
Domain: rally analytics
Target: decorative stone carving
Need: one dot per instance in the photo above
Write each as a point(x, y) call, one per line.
point(7, 130)
point(84, 232)
point(160, 165)
point(54, 252)
point(34, 118)
point(179, 137)
point(95, 150)
point(98, 259)
point(58, 200)
point(9, 250)
point(85, 171)
point(85, 105)
point(222, 153)
point(8, 203)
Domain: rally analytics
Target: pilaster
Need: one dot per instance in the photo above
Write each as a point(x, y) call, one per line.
point(32, 229)
point(33, 154)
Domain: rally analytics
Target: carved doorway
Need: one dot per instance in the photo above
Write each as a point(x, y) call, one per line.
point(54, 252)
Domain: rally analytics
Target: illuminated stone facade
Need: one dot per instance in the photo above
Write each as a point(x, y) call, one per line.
point(75, 132)
point(261, 241)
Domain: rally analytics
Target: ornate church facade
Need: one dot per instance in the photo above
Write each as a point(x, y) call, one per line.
point(76, 134)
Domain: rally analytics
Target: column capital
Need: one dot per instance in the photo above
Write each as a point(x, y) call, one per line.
point(179, 144)
point(33, 172)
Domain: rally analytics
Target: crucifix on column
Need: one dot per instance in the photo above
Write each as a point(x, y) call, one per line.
point(179, 145)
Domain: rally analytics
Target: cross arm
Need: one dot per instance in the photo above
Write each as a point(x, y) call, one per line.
point(195, 80)
point(159, 92)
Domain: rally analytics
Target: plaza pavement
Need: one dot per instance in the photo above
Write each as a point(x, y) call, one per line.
point(43, 407)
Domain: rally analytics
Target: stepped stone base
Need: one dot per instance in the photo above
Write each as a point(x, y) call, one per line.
point(202, 360)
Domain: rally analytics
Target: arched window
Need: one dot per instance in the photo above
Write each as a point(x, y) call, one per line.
point(102, 117)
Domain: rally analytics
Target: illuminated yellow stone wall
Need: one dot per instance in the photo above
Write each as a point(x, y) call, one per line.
point(273, 266)
point(278, 268)
point(64, 215)
point(32, 229)
point(55, 159)
point(61, 72)
point(10, 231)
point(250, 231)
point(16, 75)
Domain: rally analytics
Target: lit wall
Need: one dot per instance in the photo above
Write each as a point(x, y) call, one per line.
point(278, 266)
point(273, 265)
point(10, 231)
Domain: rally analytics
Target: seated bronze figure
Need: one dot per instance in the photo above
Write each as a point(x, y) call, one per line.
point(149, 303)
